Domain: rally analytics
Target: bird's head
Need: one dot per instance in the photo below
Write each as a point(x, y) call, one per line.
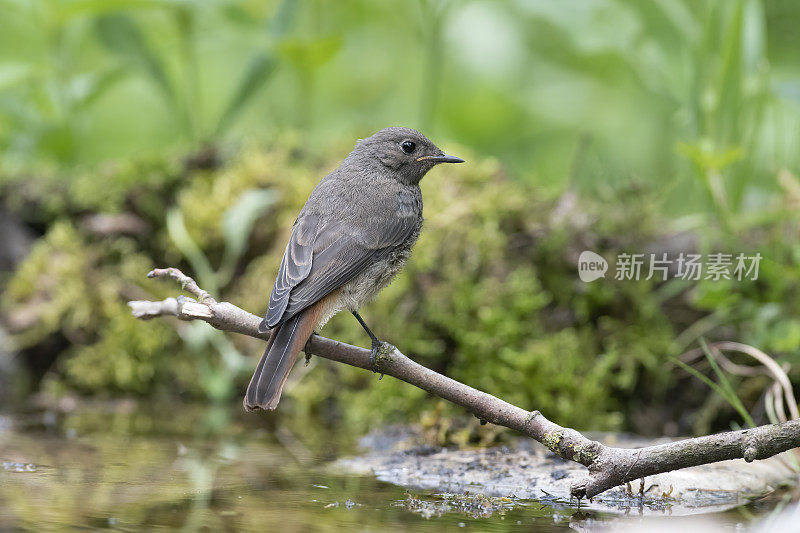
point(406, 153)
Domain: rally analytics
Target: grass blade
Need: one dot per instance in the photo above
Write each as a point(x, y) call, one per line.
point(731, 395)
point(121, 35)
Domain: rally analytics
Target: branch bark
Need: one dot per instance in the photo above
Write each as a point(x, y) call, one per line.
point(608, 466)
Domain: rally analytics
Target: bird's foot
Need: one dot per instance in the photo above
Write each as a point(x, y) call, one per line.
point(377, 348)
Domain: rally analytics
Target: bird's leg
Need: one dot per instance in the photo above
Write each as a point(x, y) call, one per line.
point(308, 352)
point(376, 343)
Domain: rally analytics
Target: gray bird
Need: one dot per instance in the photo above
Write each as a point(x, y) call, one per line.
point(352, 236)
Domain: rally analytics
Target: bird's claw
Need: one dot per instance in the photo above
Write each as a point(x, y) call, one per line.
point(376, 348)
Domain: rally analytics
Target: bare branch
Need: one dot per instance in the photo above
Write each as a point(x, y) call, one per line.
point(608, 466)
point(146, 310)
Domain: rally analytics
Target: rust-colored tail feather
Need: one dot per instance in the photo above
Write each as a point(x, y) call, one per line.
point(283, 347)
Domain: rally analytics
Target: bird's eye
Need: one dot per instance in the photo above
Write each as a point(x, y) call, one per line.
point(408, 146)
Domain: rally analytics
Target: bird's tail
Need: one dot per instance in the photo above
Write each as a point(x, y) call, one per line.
point(283, 347)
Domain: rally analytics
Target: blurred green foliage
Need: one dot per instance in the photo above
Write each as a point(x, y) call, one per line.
point(699, 98)
point(621, 125)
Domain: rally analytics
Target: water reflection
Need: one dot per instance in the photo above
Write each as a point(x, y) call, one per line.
point(122, 468)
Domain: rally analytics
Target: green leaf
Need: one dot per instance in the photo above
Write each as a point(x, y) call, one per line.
point(237, 224)
point(707, 158)
point(284, 18)
point(121, 35)
point(176, 228)
point(714, 386)
point(310, 54)
point(259, 68)
point(730, 82)
point(78, 8)
point(754, 37)
point(258, 71)
point(233, 360)
point(733, 398)
point(87, 88)
point(723, 388)
point(15, 74)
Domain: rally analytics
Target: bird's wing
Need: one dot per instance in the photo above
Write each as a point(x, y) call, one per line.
point(322, 257)
point(295, 267)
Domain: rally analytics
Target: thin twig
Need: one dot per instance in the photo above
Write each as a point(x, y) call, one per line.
point(187, 283)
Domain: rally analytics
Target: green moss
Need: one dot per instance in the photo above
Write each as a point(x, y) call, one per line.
point(584, 454)
point(52, 289)
point(552, 441)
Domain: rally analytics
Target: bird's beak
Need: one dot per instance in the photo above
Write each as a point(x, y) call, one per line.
point(444, 158)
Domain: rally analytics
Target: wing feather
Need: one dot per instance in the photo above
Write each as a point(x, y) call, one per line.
point(295, 267)
point(313, 266)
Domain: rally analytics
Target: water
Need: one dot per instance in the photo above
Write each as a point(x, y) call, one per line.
point(121, 468)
